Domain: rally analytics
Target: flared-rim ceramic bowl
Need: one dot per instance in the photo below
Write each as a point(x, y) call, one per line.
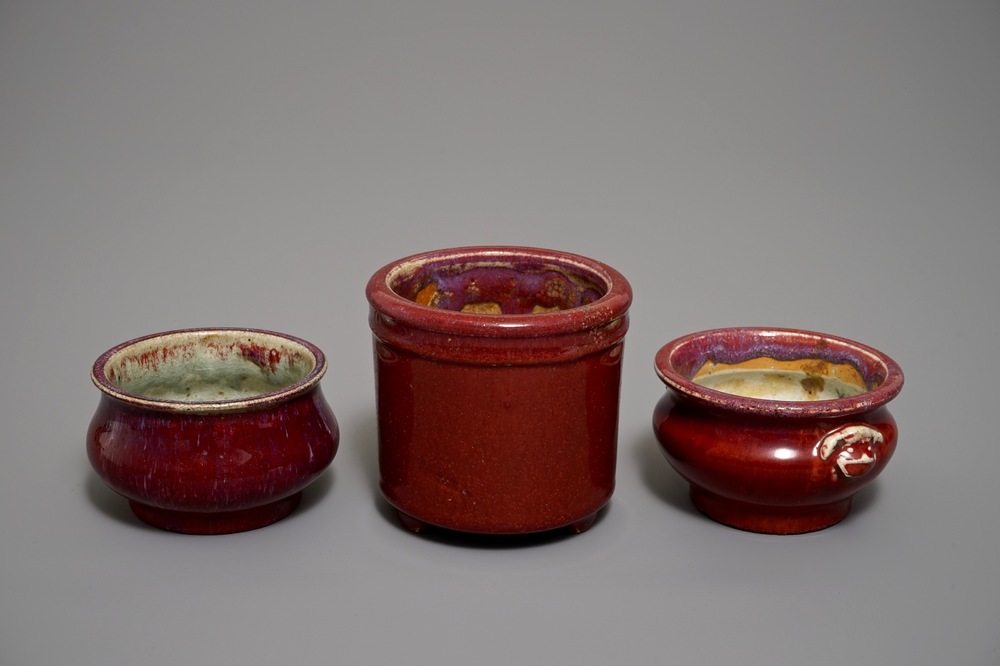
point(211, 430)
point(497, 381)
point(775, 429)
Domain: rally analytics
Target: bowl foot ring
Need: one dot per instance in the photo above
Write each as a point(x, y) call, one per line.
point(769, 519)
point(215, 522)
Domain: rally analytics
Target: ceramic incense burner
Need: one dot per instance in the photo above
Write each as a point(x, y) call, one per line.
point(775, 429)
point(497, 378)
point(211, 431)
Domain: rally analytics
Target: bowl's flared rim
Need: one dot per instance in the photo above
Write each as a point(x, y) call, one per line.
point(613, 304)
point(99, 377)
point(740, 343)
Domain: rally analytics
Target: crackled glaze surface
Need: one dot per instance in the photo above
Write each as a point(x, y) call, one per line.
point(497, 380)
point(775, 429)
point(211, 431)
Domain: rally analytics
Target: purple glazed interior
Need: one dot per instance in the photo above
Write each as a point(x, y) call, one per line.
point(209, 370)
point(499, 292)
point(515, 286)
point(779, 371)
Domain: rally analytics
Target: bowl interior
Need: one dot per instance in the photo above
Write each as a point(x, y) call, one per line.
point(498, 284)
point(208, 366)
point(772, 379)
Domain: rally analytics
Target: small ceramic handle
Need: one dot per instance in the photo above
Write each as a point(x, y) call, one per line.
point(853, 448)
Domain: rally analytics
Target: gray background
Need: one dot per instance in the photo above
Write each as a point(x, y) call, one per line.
point(831, 166)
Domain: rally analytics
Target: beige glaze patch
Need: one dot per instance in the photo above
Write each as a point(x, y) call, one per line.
point(482, 308)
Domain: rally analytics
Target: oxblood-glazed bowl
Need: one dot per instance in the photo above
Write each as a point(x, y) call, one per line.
point(775, 429)
point(497, 380)
point(211, 431)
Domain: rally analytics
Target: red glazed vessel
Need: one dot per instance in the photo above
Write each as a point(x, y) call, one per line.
point(497, 378)
point(775, 429)
point(211, 431)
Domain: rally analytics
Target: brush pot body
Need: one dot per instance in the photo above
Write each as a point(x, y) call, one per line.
point(497, 384)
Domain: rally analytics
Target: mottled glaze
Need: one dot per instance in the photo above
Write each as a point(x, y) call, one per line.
point(775, 429)
point(497, 381)
point(211, 431)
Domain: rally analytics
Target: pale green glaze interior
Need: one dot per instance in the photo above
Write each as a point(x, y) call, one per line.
point(779, 385)
point(797, 380)
point(212, 366)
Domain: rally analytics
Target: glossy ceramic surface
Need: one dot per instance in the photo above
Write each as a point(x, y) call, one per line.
point(497, 380)
point(211, 431)
point(775, 429)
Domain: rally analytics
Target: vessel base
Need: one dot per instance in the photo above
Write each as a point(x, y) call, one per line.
point(215, 522)
point(769, 519)
point(417, 526)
